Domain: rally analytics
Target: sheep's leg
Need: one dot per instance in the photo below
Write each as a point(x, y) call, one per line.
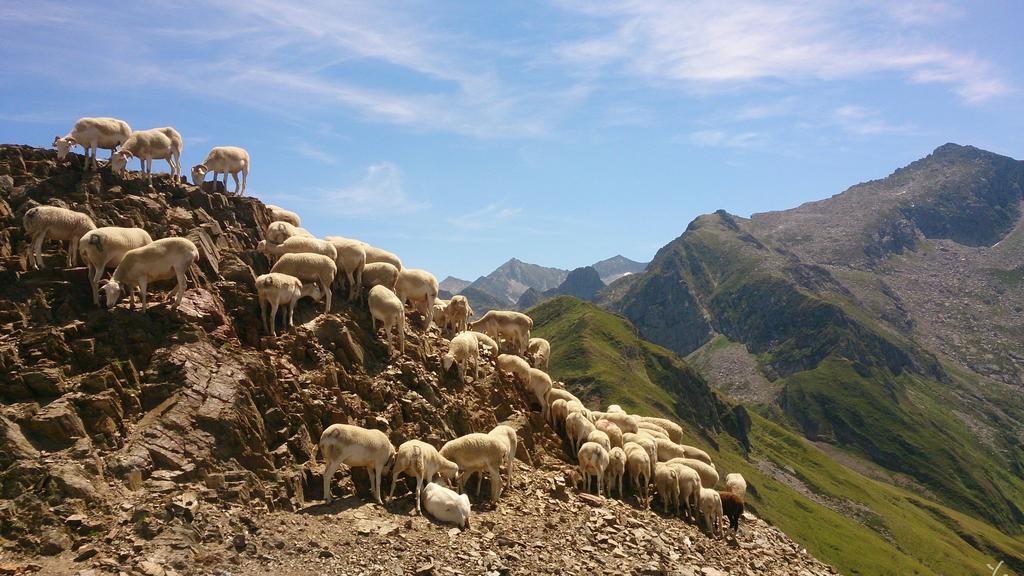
point(376, 474)
point(496, 484)
point(419, 487)
point(234, 177)
point(182, 284)
point(245, 178)
point(38, 250)
point(143, 284)
point(327, 294)
point(273, 318)
point(600, 483)
point(97, 275)
point(332, 467)
point(291, 313)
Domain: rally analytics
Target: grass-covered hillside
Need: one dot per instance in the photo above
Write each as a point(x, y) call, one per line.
point(860, 522)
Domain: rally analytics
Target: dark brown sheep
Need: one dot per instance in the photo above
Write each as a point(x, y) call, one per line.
point(732, 508)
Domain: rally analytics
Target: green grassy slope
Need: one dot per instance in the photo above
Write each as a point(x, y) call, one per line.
point(861, 525)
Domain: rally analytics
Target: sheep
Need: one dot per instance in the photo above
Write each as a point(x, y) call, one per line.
point(274, 290)
point(374, 254)
point(387, 308)
point(146, 145)
point(299, 245)
point(57, 223)
point(279, 231)
point(485, 341)
point(654, 434)
point(736, 484)
point(352, 260)
point(459, 312)
point(478, 452)
point(559, 412)
point(419, 459)
point(625, 422)
point(638, 463)
point(279, 214)
point(93, 134)
point(578, 428)
point(516, 365)
point(310, 268)
point(708, 474)
point(674, 431)
point(689, 489)
point(379, 274)
point(732, 508)
point(513, 326)
point(593, 461)
point(354, 447)
point(649, 445)
point(540, 385)
point(599, 437)
point(463, 349)
point(508, 435)
point(418, 287)
point(177, 147)
point(615, 408)
point(224, 160)
point(612, 430)
point(661, 432)
point(616, 469)
point(440, 315)
point(666, 481)
point(538, 350)
point(104, 247)
point(446, 505)
point(159, 260)
point(557, 394)
point(668, 450)
point(711, 508)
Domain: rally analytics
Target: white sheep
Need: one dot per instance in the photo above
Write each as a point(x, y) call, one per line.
point(419, 288)
point(374, 254)
point(310, 268)
point(516, 365)
point(612, 430)
point(661, 432)
point(666, 481)
point(278, 214)
point(599, 437)
point(387, 308)
point(299, 245)
point(689, 489)
point(104, 247)
point(465, 350)
point(616, 409)
point(478, 452)
point(616, 469)
point(177, 147)
point(538, 350)
point(446, 505)
point(708, 474)
point(354, 447)
point(668, 450)
point(559, 412)
point(485, 341)
point(93, 134)
point(578, 428)
point(279, 231)
point(160, 260)
point(654, 434)
point(59, 224)
point(440, 315)
point(380, 274)
point(540, 385)
point(146, 145)
point(513, 326)
point(593, 461)
point(459, 312)
point(274, 290)
point(625, 422)
point(649, 445)
point(736, 484)
point(508, 435)
point(419, 459)
point(710, 505)
point(638, 463)
point(224, 160)
point(675, 431)
point(351, 260)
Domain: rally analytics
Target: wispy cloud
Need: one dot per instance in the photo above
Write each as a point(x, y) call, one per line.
point(486, 217)
point(864, 121)
point(312, 152)
point(726, 139)
point(379, 193)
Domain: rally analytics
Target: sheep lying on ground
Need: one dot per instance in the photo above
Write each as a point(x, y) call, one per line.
point(419, 459)
point(309, 268)
point(732, 508)
point(387, 308)
point(104, 247)
point(478, 452)
point(224, 160)
point(278, 214)
point(279, 231)
point(612, 430)
point(445, 505)
point(508, 435)
point(146, 145)
point(351, 260)
point(593, 461)
point(675, 431)
point(93, 134)
point(354, 447)
point(459, 312)
point(638, 464)
point(708, 474)
point(274, 290)
point(736, 484)
point(465, 350)
point(616, 469)
point(59, 224)
point(513, 326)
point(159, 260)
point(666, 481)
point(538, 350)
point(299, 245)
point(711, 510)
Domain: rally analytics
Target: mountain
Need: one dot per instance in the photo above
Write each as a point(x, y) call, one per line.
point(583, 283)
point(883, 323)
point(453, 285)
point(860, 518)
point(482, 301)
point(508, 282)
point(618, 266)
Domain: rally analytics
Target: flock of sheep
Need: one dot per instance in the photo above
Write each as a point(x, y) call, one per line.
point(608, 445)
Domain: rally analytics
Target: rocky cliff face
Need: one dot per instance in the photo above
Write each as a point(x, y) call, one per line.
point(180, 442)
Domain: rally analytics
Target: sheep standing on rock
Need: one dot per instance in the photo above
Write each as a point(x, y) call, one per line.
point(387, 308)
point(612, 430)
point(278, 214)
point(732, 508)
point(708, 474)
point(736, 484)
point(446, 505)
point(299, 245)
point(104, 247)
point(513, 326)
point(689, 489)
point(649, 445)
point(539, 352)
point(616, 470)
point(668, 450)
point(478, 452)
point(601, 438)
point(593, 461)
point(310, 268)
point(674, 431)
point(485, 341)
point(638, 464)
point(354, 447)
point(279, 231)
point(559, 412)
point(666, 481)
point(465, 350)
point(578, 429)
point(275, 290)
point(162, 259)
point(440, 315)
point(379, 274)
point(459, 312)
point(419, 459)
point(93, 134)
point(177, 147)
point(146, 145)
point(419, 288)
point(351, 260)
point(508, 435)
point(711, 510)
point(59, 224)
point(540, 385)
point(516, 365)
point(374, 254)
point(224, 160)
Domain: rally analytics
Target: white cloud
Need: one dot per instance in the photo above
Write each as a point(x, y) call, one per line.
point(380, 192)
point(724, 139)
point(312, 152)
point(485, 217)
point(863, 121)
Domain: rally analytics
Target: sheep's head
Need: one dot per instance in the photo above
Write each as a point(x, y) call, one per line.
point(311, 290)
point(119, 161)
point(63, 145)
point(262, 249)
point(111, 292)
point(199, 174)
point(447, 361)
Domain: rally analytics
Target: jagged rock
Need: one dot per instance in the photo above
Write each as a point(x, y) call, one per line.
point(57, 424)
point(13, 444)
point(53, 541)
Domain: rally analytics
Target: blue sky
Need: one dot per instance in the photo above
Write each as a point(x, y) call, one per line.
point(460, 134)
